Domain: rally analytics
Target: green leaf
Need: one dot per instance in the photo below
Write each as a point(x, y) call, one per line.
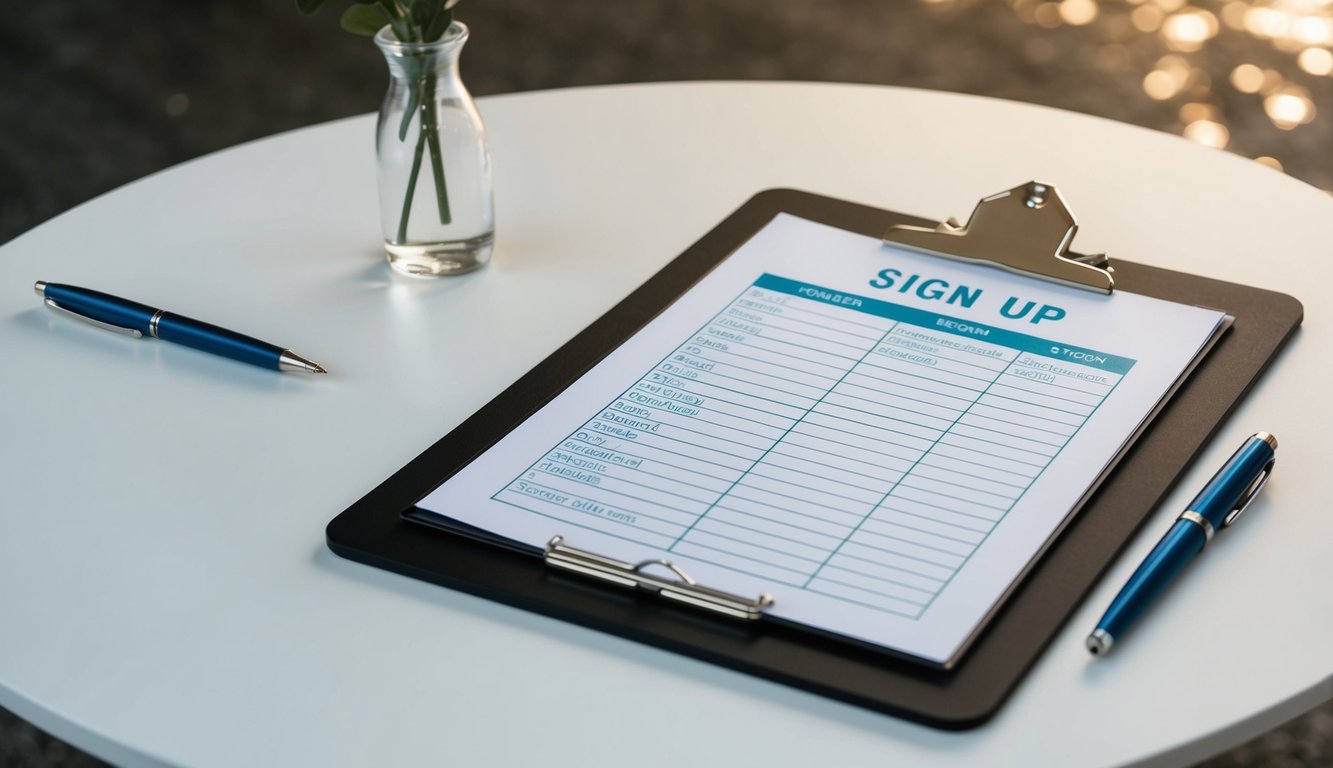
point(308, 7)
point(363, 19)
point(397, 16)
point(419, 14)
point(439, 25)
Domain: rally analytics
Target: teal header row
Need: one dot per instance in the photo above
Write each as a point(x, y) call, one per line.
point(1022, 342)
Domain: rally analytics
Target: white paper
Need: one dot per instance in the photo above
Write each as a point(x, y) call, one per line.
point(882, 440)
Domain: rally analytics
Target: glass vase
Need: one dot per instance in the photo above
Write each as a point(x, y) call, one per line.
point(436, 210)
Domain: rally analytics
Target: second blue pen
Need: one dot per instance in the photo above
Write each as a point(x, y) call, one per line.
point(1216, 506)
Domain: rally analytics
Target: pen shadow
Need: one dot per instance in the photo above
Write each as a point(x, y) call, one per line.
point(700, 672)
point(91, 341)
point(103, 347)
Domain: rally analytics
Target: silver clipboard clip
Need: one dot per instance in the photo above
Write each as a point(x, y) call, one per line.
point(1026, 230)
point(682, 590)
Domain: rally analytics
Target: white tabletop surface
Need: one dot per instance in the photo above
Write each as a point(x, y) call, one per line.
point(166, 595)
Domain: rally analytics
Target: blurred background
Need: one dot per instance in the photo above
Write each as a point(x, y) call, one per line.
point(96, 94)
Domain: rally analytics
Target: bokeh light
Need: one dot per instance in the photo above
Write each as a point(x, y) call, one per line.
point(1289, 107)
point(1254, 63)
point(1208, 133)
point(1316, 61)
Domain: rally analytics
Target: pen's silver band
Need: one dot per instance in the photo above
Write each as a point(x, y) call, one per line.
point(152, 323)
point(1201, 521)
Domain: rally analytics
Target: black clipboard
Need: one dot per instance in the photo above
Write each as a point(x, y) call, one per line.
point(374, 531)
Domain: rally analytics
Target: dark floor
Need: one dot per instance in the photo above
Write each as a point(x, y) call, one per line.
point(96, 94)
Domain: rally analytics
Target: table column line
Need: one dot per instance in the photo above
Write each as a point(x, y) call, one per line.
point(1020, 496)
point(782, 437)
point(904, 475)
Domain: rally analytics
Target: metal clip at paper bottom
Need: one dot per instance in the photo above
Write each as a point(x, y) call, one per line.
point(684, 590)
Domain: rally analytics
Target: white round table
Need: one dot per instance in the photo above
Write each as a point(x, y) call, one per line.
point(165, 590)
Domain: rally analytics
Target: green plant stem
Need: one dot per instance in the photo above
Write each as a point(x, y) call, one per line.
point(428, 135)
point(431, 130)
point(413, 102)
point(411, 187)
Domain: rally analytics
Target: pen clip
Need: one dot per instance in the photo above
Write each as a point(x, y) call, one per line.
point(104, 326)
point(1249, 494)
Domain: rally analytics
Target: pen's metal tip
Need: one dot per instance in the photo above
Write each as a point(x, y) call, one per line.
point(1267, 437)
point(290, 361)
point(1099, 642)
point(40, 288)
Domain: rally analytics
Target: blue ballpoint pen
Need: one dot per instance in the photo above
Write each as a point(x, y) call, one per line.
point(138, 320)
point(1217, 506)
